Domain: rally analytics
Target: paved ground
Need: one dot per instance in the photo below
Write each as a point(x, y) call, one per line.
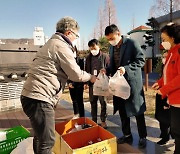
point(114, 124)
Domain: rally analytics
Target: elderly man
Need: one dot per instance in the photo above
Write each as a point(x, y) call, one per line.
point(52, 66)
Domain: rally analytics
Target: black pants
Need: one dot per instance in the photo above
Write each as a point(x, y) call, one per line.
point(175, 127)
point(165, 130)
point(163, 116)
point(76, 94)
point(93, 101)
point(140, 120)
point(41, 115)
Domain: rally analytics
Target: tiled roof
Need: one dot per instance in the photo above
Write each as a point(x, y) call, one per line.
point(141, 28)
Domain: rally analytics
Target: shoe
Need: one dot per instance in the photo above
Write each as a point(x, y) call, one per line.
point(104, 125)
point(162, 141)
point(125, 139)
point(76, 116)
point(142, 142)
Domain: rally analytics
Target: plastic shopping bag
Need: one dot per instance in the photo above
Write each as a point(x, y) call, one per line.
point(118, 86)
point(101, 86)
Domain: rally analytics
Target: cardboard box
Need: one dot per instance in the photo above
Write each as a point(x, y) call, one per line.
point(77, 142)
point(65, 127)
point(57, 146)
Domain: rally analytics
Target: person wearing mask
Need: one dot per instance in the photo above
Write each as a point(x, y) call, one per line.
point(127, 57)
point(168, 85)
point(95, 61)
point(53, 65)
point(162, 113)
point(76, 91)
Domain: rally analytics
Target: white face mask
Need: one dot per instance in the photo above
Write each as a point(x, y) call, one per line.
point(116, 41)
point(163, 60)
point(75, 42)
point(166, 45)
point(74, 54)
point(95, 52)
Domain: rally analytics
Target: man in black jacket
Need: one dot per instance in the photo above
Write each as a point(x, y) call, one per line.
point(76, 91)
point(95, 61)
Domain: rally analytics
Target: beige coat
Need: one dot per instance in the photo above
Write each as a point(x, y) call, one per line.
point(52, 66)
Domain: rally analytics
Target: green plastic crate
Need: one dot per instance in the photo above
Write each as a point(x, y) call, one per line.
point(13, 137)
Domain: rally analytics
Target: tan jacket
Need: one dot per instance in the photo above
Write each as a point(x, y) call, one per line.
point(52, 66)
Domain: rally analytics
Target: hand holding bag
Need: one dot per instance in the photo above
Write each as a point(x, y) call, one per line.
point(101, 86)
point(118, 86)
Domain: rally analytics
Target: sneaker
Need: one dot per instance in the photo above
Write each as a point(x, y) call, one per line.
point(125, 139)
point(76, 116)
point(104, 125)
point(162, 141)
point(142, 142)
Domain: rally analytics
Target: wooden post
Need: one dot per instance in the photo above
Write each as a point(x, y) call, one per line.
point(146, 81)
point(147, 70)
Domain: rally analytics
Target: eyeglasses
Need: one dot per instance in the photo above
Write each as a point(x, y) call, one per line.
point(77, 36)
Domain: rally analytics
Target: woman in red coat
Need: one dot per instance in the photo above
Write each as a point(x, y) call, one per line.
point(169, 85)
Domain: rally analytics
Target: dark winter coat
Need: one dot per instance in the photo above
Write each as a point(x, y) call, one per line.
point(132, 59)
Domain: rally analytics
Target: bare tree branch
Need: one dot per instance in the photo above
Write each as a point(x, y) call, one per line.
point(110, 13)
point(162, 7)
point(106, 16)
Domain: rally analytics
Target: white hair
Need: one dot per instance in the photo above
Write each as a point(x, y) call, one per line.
point(66, 23)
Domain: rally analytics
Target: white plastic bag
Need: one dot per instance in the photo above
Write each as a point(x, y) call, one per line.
point(118, 86)
point(101, 86)
point(76, 128)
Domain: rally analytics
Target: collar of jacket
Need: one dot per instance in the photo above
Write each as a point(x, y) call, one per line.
point(64, 37)
point(176, 47)
point(124, 38)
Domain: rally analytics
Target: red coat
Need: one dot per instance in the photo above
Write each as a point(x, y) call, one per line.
point(172, 88)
